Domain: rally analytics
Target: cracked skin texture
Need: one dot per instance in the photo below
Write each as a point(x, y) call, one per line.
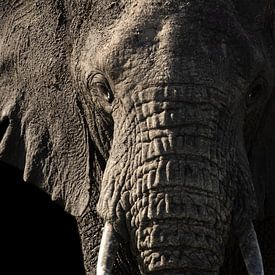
point(168, 157)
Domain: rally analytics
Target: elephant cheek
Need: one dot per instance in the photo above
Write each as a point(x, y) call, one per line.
point(168, 183)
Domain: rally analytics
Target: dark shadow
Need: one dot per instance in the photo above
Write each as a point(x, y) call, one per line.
point(233, 260)
point(37, 237)
point(4, 124)
point(234, 264)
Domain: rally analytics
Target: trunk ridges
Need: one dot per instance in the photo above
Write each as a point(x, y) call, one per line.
point(180, 216)
point(171, 186)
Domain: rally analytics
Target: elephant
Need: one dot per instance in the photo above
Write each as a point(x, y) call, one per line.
point(150, 121)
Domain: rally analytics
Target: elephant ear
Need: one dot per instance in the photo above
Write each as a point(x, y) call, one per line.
point(258, 20)
point(262, 161)
point(43, 129)
point(262, 155)
point(46, 138)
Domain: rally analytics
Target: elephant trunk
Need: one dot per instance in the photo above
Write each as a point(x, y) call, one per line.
point(169, 182)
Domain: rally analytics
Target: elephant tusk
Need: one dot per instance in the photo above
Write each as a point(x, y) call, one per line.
point(107, 251)
point(251, 252)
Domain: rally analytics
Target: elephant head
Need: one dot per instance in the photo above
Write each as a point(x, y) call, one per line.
point(158, 107)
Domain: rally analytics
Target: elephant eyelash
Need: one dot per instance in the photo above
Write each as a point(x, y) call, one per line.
point(98, 83)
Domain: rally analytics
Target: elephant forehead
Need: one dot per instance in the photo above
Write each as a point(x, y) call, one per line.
point(157, 40)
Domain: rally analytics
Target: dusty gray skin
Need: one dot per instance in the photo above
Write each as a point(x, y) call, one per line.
point(173, 98)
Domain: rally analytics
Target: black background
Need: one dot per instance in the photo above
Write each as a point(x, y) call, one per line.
point(37, 237)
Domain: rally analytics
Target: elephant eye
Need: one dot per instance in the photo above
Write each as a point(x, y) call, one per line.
point(100, 85)
point(255, 93)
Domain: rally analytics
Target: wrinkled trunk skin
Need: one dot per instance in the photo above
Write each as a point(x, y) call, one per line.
point(168, 179)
